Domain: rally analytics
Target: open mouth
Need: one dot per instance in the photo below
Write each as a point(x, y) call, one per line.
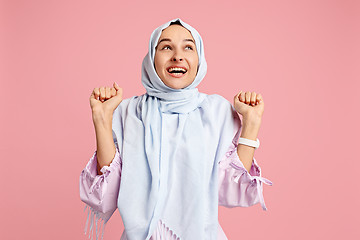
point(176, 71)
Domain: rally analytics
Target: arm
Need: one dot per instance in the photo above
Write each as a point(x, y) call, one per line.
point(250, 130)
point(100, 180)
point(240, 181)
point(251, 106)
point(104, 140)
point(103, 102)
point(100, 192)
point(239, 187)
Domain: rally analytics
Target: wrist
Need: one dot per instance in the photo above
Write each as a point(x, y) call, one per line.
point(250, 130)
point(103, 120)
point(253, 121)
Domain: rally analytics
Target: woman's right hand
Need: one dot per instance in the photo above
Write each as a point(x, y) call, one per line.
point(104, 100)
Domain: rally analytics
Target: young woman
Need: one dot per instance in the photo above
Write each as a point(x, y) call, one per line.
point(168, 158)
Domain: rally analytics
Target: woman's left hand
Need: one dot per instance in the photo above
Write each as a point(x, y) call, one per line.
point(250, 105)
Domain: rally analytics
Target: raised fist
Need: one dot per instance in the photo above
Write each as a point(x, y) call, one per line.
point(249, 104)
point(104, 100)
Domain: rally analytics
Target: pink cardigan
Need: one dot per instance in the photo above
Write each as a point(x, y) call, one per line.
point(237, 188)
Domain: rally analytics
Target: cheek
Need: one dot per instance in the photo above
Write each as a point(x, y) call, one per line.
point(159, 63)
point(157, 60)
point(157, 66)
point(194, 65)
point(195, 59)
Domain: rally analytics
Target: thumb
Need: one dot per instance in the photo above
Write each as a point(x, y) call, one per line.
point(116, 86)
point(236, 98)
point(118, 89)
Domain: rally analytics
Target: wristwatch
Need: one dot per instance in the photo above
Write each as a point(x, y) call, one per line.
point(249, 142)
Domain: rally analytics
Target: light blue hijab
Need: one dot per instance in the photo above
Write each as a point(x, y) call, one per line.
point(171, 141)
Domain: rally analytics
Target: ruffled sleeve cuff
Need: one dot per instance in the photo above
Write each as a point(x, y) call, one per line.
point(99, 191)
point(237, 186)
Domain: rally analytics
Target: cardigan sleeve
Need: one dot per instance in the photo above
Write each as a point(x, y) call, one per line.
point(100, 192)
point(237, 186)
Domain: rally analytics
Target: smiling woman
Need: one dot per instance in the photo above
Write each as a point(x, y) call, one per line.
point(176, 58)
point(168, 158)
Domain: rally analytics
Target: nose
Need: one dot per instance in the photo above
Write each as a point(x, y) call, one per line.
point(176, 57)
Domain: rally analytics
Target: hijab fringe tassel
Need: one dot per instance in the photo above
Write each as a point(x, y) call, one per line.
point(91, 214)
point(166, 232)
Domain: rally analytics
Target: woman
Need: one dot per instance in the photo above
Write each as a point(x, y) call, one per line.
point(168, 158)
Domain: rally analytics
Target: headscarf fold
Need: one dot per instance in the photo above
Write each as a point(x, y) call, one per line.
point(171, 141)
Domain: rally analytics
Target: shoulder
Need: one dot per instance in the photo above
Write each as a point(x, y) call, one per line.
point(216, 101)
point(129, 102)
point(221, 108)
point(128, 106)
point(218, 98)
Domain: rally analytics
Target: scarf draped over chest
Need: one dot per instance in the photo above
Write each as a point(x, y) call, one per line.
point(170, 142)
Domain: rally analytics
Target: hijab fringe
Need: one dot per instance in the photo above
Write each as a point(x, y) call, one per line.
point(93, 215)
point(167, 233)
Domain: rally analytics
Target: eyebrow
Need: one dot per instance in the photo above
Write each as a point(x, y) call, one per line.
point(169, 40)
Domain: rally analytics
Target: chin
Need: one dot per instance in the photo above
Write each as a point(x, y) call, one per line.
point(175, 86)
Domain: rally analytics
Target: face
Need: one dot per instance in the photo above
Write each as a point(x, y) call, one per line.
point(176, 58)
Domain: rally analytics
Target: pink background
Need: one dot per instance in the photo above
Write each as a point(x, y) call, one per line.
point(302, 56)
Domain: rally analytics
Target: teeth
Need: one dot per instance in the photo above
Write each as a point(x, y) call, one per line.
point(177, 69)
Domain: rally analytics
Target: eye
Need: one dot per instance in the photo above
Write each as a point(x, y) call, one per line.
point(166, 47)
point(190, 47)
